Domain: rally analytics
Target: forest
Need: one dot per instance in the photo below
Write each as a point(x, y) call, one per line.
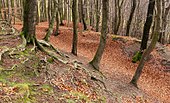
point(84, 51)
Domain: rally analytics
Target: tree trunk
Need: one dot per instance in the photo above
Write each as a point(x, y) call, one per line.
point(15, 11)
point(50, 29)
point(163, 38)
point(75, 33)
point(147, 25)
point(117, 20)
point(91, 13)
point(57, 23)
point(97, 58)
point(61, 11)
point(9, 12)
point(83, 16)
point(130, 17)
point(49, 11)
point(151, 46)
point(97, 15)
point(30, 12)
point(38, 12)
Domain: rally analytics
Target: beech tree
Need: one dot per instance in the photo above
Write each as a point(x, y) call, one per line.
point(30, 14)
point(61, 11)
point(151, 46)
point(51, 25)
point(147, 25)
point(130, 17)
point(165, 11)
point(57, 23)
point(9, 12)
point(97, 58)
point(75, 33)
point(98, 7)
point(83, 15)
point(117, 19)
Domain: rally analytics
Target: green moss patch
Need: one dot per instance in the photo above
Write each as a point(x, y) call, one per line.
point(137, 57)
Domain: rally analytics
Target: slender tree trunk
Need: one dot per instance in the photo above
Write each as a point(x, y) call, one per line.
point(163, 38)
point(38, 12)
point(86, 11)
point(15, 11)
point(80, 11)
point(9, 12)
point(91, 13)
point(61, 12)
point(97, 58)
point(83, 15)
point(97, 15)
point(130, 17)
point(68, 9)
point(46, 9)
point(4, 11)
point(151, 46)
point(147, 25)
point(117, 20)
point(65, 10)
point(50, 29)
point(75, 33)
point(57, 22)
point(49, 11)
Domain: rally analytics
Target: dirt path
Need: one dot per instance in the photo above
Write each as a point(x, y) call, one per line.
point(117, 67)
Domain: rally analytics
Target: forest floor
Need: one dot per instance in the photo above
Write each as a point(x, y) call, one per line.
point(64, 83)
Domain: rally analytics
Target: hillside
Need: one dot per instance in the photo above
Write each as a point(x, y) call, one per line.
point(36, 77)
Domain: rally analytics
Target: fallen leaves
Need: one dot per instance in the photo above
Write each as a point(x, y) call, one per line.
point(75, 87)
point(115, 63)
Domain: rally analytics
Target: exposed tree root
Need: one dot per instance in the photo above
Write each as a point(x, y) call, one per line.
point(95, 66)
point(50, 53)
point(134, 84)
point(2, 52)
point(12, 68)
point(75, 64)
point(23, 45)
point(98, 77)
point(98, 80)
point(34, 46)
point(43, 42)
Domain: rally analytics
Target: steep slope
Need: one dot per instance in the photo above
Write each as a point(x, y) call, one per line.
point(116, 65)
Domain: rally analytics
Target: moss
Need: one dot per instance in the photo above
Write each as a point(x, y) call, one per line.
point(50, 60)
point(26, 91)
point(22, 33)
point(137, 57)
point(5, 75)
point(47, 89)
point(1, 69)
point(115, 38)
point(23, 88)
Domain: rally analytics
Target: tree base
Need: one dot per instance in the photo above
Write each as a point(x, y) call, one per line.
point(94, 65)
point(134, 84)
point(61, 24)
